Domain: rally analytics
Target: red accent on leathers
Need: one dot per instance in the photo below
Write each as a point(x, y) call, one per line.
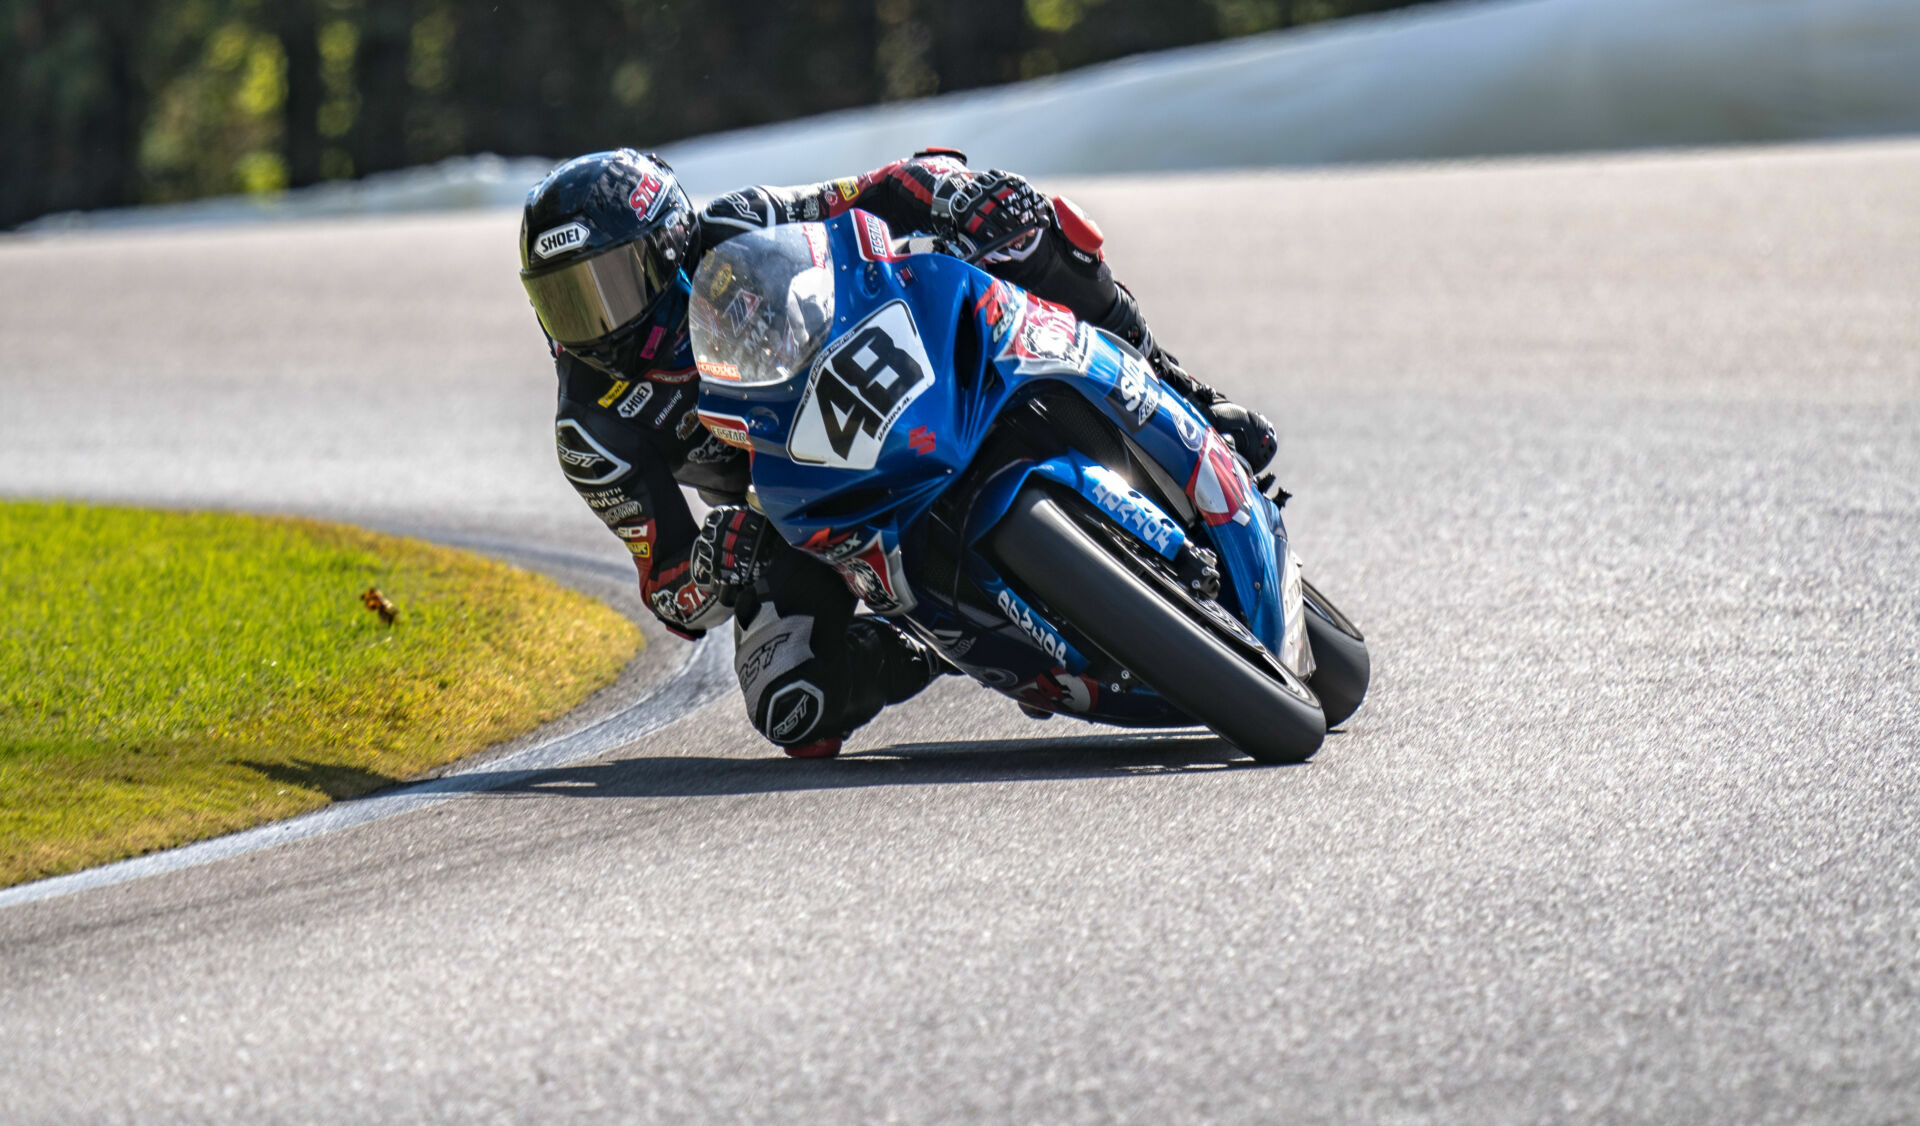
point(1078, 226)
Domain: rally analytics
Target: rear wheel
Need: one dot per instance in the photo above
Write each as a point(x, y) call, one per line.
point(1207, 666)
point(1341, 668)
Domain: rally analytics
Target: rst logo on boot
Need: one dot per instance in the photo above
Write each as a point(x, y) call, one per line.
point(561, 239)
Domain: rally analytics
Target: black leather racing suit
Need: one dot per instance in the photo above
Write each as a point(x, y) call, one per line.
point(811, 671)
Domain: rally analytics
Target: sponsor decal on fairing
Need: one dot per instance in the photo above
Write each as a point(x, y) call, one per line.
point(876, 577)
point(729, 428)
point(1133, 511)
point(1031, 624)
point(819, 249)
point(875, 238)
point(1058, 690)
point(996, 308)
point(993, 677)
point(1048, 339)
point(954, 643)
point(1190, 428)
point(830, 545)
point(1135, 393)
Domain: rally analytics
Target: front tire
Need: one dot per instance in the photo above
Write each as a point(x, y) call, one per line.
point(1341, 667)
point(1177, 650)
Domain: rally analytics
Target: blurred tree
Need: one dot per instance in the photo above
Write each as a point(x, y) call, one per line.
point(216, 122)
point(379, 138)
point(71, 104)
point(979, 44)
point(297, 23)
point(113, 102)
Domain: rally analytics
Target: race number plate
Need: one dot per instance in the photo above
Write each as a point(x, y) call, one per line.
point(859, 388)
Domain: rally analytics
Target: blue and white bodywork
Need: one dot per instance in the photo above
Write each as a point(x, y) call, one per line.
point(895, 404)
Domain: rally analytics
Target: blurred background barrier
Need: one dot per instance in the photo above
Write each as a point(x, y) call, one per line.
point(1464, 80)
point(264, 95)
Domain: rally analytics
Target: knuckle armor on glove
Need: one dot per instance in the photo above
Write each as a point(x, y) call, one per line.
point(990, 209)
point(687, 607)
point(698, 592)
point(731, 551)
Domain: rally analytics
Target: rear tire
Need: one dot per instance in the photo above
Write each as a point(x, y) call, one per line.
point(1341, 667)
point(1176, 649)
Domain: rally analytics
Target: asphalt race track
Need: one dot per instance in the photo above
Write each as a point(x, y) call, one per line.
point(1616, 460)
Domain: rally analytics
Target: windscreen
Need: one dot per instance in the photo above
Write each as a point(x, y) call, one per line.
point(762, 304)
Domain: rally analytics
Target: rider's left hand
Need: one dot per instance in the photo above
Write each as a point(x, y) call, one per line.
point(732, 550)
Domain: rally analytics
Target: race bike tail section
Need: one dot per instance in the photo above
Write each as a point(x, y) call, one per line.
point(974, 461)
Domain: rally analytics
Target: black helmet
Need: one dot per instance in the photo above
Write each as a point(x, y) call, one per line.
point(604, 241)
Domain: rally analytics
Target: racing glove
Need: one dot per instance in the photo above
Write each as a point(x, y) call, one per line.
point(685, 607)
point(732, 549)
point(696, 593)
point(974, 210)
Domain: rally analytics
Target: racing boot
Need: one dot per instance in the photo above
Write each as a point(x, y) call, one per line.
point(822, 748)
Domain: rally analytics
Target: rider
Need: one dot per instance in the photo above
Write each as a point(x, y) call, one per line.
point(608, 242)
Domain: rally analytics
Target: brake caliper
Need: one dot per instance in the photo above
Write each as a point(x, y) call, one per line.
point(1198, 569)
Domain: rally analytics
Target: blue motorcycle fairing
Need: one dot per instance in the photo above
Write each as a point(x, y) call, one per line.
point(925, 354)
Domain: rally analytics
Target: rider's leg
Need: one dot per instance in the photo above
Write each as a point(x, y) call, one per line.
point(810, 670)
point(1066, 266)
point(1249, 431)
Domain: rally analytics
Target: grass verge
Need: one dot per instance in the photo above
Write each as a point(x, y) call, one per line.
point(170, 676)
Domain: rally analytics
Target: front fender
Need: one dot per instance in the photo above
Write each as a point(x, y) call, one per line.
point(1249, 550)
point(1106, 490)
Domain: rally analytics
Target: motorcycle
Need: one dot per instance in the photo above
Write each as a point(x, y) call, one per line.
point(1015, 487)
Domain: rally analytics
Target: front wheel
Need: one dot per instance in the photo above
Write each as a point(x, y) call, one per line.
point(1234, 687)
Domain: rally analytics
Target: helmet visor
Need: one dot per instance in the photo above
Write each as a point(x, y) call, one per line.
point(585, 300)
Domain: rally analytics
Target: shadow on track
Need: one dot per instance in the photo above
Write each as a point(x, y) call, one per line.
point(337, 781)
point(907, 764)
